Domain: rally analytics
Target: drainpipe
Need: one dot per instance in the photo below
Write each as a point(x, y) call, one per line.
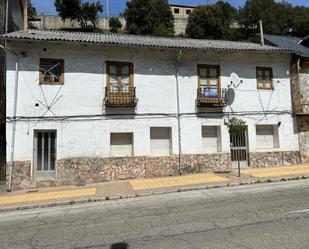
point(178, 113)
point(11, 164)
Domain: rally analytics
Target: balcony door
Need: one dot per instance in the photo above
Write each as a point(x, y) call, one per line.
point(45, 155)
point(120, 86)
point(209, 82)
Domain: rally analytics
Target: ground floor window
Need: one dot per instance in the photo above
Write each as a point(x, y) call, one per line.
point(267, 136)
point(211, 139)
point(160, 141)
point(121, 144)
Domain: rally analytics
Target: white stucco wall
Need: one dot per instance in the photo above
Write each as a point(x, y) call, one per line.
point(154, 78)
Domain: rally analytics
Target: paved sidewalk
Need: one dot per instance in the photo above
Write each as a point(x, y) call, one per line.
point(130, 188)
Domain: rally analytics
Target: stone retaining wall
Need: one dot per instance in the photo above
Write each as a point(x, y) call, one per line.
point(269, 159)
point(92, 170)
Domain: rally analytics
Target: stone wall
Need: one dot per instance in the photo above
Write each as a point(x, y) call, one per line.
point(21, 175)
point(55, 22)
point(91, 170)
point(81, 171)
point(270, 159)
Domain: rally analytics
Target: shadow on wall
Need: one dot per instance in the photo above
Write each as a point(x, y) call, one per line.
point(120, 246)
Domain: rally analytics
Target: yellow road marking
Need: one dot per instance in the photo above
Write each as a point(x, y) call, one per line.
point(163, 182)
point(281, 171)
point(32, 197)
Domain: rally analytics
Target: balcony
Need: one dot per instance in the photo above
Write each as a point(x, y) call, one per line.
point(120, 97)
point(210, 97)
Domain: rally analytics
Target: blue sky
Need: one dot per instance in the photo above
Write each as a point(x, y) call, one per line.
point(117, 6)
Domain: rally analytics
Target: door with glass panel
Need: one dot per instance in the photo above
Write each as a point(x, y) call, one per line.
point(45, 155)
point(120, 89)
point(209, 83)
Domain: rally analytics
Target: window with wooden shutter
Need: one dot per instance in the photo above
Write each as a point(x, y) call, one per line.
point(160, 141)
point(51, 71)
point(264, 77)
point(121, 144)
point(267, 136)
point(211, 139)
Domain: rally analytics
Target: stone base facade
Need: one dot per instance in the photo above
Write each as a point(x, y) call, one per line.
point(275, 158)
point(72, 171)
point(81, 171)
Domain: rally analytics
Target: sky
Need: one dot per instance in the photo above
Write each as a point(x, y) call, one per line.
point(117, 6)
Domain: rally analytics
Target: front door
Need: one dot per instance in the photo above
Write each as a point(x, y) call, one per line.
point(239, 149)
point(45, 155)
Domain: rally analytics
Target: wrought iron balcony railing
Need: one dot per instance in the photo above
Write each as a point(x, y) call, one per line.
point(210, 97)
point(121, 96)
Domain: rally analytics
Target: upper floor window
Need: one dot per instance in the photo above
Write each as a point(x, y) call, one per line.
point(208, 76)
point(119, 76)
point(305, 68)
point(176, 11)
point(188, 12)
point(51, 71)
point(264, 76)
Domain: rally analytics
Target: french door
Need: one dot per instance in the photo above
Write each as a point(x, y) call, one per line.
point(45, 154)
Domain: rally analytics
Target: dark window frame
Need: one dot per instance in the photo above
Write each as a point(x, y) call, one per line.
point(263, 81)
point(44, 61)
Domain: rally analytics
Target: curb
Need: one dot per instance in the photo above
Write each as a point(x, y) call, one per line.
point(169, 191)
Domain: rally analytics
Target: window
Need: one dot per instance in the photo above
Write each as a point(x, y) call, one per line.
point(160, 140)
point(209, 80)
point(267, 136)
point(264, 76)
point(119, 76)
point(305, 68)
point(188, 12)
point(121, 144)
point(51, 71)
point(176, 11)
point(211, 139)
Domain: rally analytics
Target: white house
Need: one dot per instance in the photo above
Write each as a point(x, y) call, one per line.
point(101, 107)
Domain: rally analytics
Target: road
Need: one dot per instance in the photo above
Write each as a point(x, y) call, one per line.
point(272, 215)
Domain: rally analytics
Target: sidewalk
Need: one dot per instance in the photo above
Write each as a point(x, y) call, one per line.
point(66, 195)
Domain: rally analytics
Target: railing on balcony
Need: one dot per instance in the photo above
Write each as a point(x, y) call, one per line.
point(211, 97)
point(120, 96)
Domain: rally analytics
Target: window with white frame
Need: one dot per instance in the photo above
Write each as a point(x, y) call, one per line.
point(211, 139)
point(121, 144)
point(267, 136)
point(160, 141)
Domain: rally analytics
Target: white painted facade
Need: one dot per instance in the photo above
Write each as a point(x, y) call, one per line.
point(155, 82)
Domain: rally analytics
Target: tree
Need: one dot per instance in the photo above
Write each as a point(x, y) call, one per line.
point(300, 21)
point(31, 14)
point(83, 13)
point(114, 24)
point(212, 21)
point(277, 17)
point(149, 17)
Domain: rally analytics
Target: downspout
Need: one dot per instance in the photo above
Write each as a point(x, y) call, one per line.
point(178, 113)
point(11, 164)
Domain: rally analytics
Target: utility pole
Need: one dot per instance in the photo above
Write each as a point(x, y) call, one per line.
point(107, 8)
point(261, 33)
point(25, 14)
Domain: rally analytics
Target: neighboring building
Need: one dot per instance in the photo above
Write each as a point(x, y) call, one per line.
point(299, 84)
point(15, 22)
point(181, 11)
point(102, 107)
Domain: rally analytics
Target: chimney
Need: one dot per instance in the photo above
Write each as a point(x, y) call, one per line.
point(261, 33)
point(25, 14)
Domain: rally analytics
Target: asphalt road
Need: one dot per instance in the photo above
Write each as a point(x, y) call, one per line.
point(274, 215)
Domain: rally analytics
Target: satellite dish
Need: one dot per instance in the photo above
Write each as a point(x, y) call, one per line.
point(229, 96)
point(235, 78)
